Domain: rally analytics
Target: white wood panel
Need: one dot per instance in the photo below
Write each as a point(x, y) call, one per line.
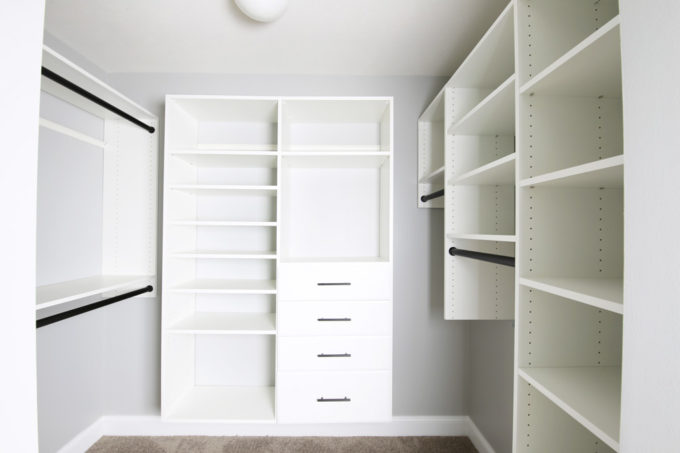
point(334, 353)
point(216, 286)
point(605, 173)
point(333, 318)
point(226, 324)
point(498, 172)
point(222, 403)
point(495, 114)
point(61, 293)
point(604, 293)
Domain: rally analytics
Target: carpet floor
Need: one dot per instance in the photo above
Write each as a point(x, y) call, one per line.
point(201, 444)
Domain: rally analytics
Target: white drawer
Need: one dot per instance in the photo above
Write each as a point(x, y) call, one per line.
point(334, 281)
point(334, 353)
point(334, 318)
point(334, 397)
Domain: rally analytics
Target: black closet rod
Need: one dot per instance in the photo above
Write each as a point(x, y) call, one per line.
point(488, 257)
point(93, 306)
point(433, 195)
point(97, 100)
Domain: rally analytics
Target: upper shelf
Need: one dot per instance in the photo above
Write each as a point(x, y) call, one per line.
point(498, 172)
point(326, 159)
point(227, 158)
point(64, 292)
point(591, 395)
point(435, 177)
point(483, 237)
point(603, 293)
point(219, 189)
point(61, 66)
point(591, 68)
point(494, 115)
point(607, 173)
point(492, 59)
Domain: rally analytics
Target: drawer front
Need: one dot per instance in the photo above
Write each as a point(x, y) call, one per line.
point(334, 281)
point(334, 397)
point(334, 353)
point(334, 318)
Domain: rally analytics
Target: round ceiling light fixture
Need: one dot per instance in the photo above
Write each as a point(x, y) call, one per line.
point(262, 10)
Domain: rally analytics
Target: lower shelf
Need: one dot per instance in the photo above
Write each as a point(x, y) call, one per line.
point(590, 395)
point(233, 404)
point(69, 291)
point(227, 324)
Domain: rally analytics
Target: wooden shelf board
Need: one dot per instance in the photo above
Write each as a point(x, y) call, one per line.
point(591, 68)
point(228, 147)
point(603, 293)
point(494, 115)
point(498, 172)
point(217, 403)
point(590, 395)
point(213, 254)
point(334, 159)
point(69, 291)
point(219, 223)
point(222, 158)
point(606, 173)
point(434, 177)
point(219, 189)
point(219, 286)
point(484, 237)
point(226, 324)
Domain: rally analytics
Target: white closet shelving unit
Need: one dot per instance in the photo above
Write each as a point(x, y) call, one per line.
point(561, 98)
point(219, 258)
point(570, 210)
point(472, 121)
point(118, 229)
point(277, 259)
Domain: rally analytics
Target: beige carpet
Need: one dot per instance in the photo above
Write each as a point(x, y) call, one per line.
point(180, 444)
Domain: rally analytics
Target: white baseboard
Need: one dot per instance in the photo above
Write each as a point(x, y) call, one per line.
point(153, 425)
point(477, 438)
point(85, 438)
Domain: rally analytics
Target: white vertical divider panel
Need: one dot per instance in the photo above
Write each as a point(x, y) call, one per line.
point(279, 214)
point(130, 195)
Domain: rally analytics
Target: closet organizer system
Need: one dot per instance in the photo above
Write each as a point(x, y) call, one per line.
point(526, 141)
point(277, 259)
point(96, 231)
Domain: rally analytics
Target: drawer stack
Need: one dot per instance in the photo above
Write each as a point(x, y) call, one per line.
point(335, 342)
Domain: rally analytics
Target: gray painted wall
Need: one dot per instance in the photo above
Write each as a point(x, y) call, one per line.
point(490, 367)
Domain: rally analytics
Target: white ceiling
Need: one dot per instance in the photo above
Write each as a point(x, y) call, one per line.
point(339, 37)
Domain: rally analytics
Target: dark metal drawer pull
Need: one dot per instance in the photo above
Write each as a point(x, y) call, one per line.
point(333, 400)
point(334, 319)
point(334, 355)
point(333, 284)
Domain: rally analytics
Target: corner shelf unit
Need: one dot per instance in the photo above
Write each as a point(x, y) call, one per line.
point(570, 221)
point(257, 189)
point(97, 178)
point(466, 146)
point(532, 144)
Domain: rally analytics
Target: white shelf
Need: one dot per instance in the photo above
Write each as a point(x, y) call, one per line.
point(225, 189)
point(218, 286)
point(224, 158)
point(499, 172)
point(484, 237)
point(591, 395)
point(219, 223)
point(330, 259)
point(434, 177)
point(335, 159)
point(603, 293)
point(226, 324)
point(213, 254)
point(601, 173)
point(592, 68)
point(231, 147)
point(61, 293)
point(494, 115)
point(215, 403)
